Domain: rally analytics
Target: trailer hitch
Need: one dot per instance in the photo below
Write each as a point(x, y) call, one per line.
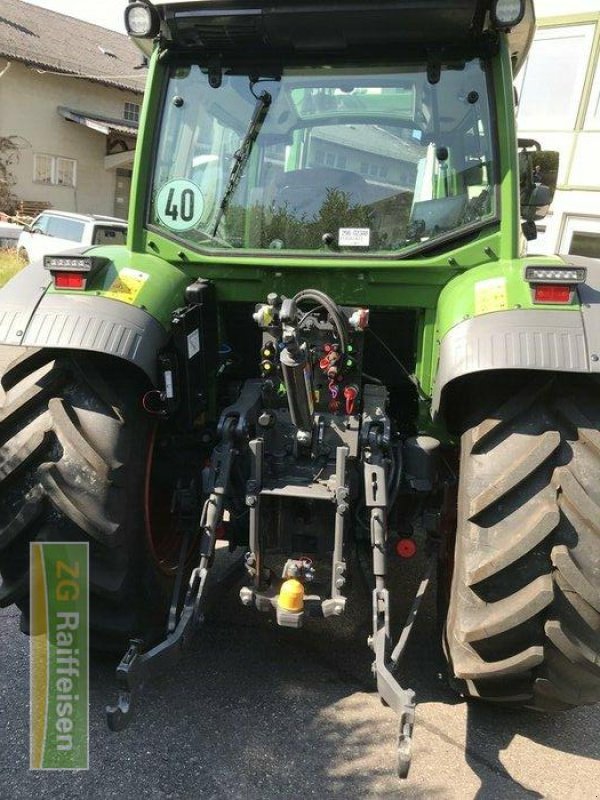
point(375, 434)
point(401, 701)
point(137, 666)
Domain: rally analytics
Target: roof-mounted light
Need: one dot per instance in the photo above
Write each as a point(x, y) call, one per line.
point(142, 20)
point(507, 13)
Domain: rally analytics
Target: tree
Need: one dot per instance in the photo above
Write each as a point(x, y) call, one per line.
point(9, 154)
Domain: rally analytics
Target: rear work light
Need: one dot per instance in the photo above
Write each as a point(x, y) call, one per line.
point(554, 284)
point(73, 272)
point(555, 274)
point(507, 13)
point(142, 21)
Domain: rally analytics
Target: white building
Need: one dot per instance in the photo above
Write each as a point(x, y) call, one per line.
point(559, 90)
point(70, 96)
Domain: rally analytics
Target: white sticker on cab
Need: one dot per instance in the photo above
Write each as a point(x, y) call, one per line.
point(354, 237)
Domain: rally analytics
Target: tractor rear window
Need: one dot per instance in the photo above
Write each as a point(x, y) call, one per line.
point(326, 161)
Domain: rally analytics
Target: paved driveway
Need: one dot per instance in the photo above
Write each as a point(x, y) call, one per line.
point(260, 713)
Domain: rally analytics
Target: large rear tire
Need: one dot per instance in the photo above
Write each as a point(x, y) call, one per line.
point(523, 625)
point(74, 454)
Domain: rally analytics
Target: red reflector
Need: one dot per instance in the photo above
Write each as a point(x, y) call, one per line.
point(551, 293)
point(406, 548)
point(69, 280)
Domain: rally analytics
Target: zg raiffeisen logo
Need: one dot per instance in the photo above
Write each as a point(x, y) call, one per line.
point(59, 615)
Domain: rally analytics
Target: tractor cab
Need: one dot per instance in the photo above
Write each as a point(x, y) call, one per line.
point(344, 131)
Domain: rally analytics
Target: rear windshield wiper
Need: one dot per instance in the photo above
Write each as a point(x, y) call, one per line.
point(242, 154)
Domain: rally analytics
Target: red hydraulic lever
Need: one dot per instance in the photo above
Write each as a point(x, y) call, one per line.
point(350, 393)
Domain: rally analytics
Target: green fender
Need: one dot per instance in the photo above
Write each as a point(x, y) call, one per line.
point(487, 320)
point(125, 310)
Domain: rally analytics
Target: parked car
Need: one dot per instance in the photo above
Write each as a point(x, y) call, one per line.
point(59, 231)
point(9, 234)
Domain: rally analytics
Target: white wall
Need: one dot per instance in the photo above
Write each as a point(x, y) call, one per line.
point(560, 8)
point(559, 89)
point(28, 102)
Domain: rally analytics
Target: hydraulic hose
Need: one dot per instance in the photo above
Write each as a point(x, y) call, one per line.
point(335, 312)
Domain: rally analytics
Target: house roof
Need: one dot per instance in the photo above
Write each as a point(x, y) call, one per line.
point(98, 122)
point(380, 141)
point(58, 43)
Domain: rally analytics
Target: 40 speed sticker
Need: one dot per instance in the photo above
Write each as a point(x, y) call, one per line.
point(179, 205)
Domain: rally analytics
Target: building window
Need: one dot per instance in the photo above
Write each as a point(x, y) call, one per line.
point(54, 170)
point(65, 172)
point(586, 244)
point(131, 112)
point(553, 78)
point(42, 168)
point(592, 120)
point(581, 236)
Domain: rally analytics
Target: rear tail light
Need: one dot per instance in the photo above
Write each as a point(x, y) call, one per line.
point(69, 280)
point(552, 293)
point(73, 272)
point(554, 284)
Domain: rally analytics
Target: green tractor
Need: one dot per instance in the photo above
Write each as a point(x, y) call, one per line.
point(324, 337)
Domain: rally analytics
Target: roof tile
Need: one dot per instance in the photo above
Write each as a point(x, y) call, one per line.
point(56, 42)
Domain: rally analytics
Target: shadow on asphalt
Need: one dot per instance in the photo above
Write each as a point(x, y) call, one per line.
point(258, 712)
point(491, 730)
point(490, 733)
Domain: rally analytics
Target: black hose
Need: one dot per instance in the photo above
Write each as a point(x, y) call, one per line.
point(335, 312)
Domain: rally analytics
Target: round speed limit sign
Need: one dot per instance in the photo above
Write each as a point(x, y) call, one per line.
point(179, 205)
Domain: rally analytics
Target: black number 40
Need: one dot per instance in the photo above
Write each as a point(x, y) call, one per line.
point(184, 208)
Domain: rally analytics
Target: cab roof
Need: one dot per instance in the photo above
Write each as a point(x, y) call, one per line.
point(303, 27)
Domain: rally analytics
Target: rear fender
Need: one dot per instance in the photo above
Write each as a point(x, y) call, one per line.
point(104, 319)
point(534, 338)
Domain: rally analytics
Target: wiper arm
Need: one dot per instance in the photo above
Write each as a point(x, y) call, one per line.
point(241, 156)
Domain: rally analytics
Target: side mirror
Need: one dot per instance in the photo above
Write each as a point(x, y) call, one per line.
point(539, 202)
point(538, 176)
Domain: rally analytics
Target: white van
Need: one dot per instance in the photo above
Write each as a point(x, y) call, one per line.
point(54, 232)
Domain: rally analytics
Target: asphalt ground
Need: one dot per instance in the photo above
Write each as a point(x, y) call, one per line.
point(257, 712)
